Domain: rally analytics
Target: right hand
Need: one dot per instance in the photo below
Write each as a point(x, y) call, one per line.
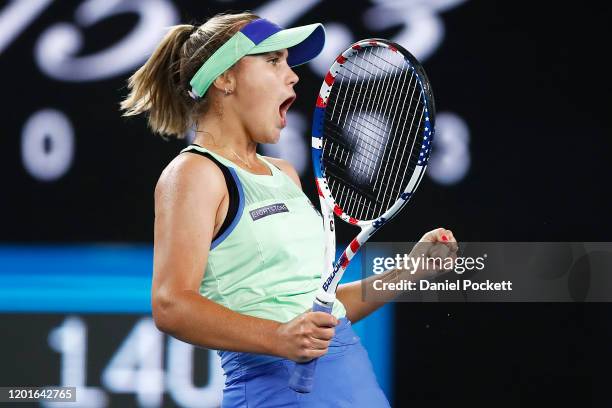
point(307, 336)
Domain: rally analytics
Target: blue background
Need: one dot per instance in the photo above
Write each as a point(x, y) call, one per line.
point(117, 279)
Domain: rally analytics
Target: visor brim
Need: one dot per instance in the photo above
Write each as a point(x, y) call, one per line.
point(303, 43)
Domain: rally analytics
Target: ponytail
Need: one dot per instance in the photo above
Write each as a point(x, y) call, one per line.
point(160, 87)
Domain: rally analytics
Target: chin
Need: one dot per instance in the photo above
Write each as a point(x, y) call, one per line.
point(274, 137)
point(270, 139)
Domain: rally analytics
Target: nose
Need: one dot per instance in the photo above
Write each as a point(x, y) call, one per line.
point(292, 77)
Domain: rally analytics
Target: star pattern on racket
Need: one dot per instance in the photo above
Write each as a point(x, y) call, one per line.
point(426, 145)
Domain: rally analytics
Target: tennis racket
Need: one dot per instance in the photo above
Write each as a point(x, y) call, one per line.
point(371, 135)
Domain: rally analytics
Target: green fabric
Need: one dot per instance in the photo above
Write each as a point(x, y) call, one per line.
point(269, 267)
point(226, 56)
point(240, 45)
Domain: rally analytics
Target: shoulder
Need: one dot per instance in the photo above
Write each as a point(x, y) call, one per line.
point(190, 173)
point(285, 166)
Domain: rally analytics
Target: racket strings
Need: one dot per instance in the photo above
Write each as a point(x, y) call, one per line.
point(393, 161)
point(412, 155)
point(389, 78)
point(377, 112)
point(342, 190)
point(336, 136)
point(361, 163)
point(360, 200)
point(357, 192)
point(385, 78)
point(340, 154)
point(378, 119)
point(343, 160)
point(387, 62)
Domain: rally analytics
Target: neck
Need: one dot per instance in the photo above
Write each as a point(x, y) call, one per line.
point(225, 135)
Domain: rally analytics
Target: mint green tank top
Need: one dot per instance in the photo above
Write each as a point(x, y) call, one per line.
point(269, 261)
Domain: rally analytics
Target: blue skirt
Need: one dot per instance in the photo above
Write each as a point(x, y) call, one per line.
point(344, 378)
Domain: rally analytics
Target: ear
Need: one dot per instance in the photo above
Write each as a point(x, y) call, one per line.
point(226, 80)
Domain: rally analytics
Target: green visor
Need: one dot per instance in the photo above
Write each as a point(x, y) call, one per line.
point(259, 36)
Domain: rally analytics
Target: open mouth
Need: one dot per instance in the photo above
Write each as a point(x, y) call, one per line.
point(283, 108)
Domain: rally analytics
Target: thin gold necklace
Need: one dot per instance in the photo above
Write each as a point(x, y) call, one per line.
point(235, 154)
point(240, 158)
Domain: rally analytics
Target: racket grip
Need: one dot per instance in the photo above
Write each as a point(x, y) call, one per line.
point(302, 378)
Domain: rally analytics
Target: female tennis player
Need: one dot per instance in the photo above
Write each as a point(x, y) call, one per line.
point(239, 248)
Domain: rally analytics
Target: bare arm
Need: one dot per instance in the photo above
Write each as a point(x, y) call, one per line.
point(187, 198)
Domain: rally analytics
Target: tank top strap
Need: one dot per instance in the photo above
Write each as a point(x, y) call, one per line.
point(276, 179)
point(218, 157)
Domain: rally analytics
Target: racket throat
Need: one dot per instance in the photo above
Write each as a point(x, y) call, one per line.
point(325, 299)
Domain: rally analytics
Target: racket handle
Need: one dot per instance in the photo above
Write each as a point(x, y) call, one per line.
point(302, 378)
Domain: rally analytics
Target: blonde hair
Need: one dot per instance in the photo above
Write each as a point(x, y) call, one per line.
point(160, 87)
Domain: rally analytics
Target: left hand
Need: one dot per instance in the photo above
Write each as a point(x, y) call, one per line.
point(438, 243)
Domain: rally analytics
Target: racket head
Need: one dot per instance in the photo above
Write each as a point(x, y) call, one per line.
point(372, 130)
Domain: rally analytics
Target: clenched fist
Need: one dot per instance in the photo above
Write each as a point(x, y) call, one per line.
point(306, 337)
point(436, 247)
